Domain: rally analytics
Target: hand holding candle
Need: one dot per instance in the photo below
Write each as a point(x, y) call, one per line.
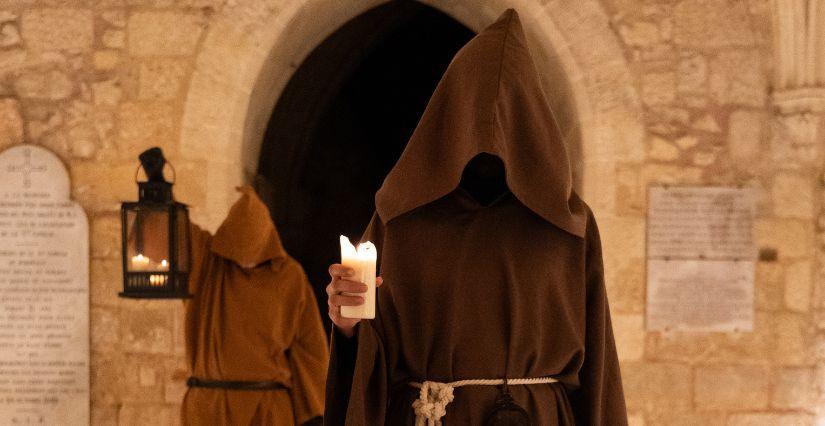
point(361, 260)
point(347, 289)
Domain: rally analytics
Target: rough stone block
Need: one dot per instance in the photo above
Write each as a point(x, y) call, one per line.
point(105, 236)
point(731, 387)
point(629, 333)
point(107, 93)
point(795, 140)
point(769, 286)
point(145, 414)
point(114, 39)
point(105, 377)
point(162, 79)
point(744, 348)
point(105, 329)
point(51, 85)
point(770, 419)
point(662, 150)
point(798, 286)
point(9, 35)
point(793, 196)
point(665, 417)
point(711, 24)
point(626, 289)
point(106, 281)
point(790, 237)
point(649, 386)
point(738, 77)
point(102, 189)
point(794, 388)
point(106, 60)
point(147, 331)
point(144, 125)
point(746, 135)
point(707, 123)
point(11, 123)
point(66, 29)
point(164, 33)
point(693, 74)
point(659, 88)
point(640, 33)
point(793, 338)
point(104, 415)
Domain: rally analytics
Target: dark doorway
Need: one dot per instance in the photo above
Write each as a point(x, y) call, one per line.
point(342, 122)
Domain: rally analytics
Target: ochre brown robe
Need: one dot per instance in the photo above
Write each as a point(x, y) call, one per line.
point(253, 317)
point(472, 291)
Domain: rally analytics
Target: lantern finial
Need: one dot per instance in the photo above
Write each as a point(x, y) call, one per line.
point(153, 162)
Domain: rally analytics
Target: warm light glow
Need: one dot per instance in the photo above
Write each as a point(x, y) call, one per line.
point(140, 263)
point(157, 280)
point(164, 265)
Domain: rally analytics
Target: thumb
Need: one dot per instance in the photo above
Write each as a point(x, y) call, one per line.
point(379, 281)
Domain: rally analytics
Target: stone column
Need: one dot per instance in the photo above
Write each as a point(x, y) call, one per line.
point(799, 100)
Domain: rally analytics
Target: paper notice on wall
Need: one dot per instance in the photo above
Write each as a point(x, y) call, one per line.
point(700, 295)
point(700, 259)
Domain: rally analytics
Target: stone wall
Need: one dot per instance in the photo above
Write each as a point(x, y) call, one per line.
point(673, 91)
point(704, 70)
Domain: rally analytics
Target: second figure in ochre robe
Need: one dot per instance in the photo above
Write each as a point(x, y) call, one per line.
point(253, 318)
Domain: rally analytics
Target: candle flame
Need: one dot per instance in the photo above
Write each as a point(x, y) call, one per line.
point(365, 250)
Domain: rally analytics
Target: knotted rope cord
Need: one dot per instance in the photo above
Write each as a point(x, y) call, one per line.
point(434, 397)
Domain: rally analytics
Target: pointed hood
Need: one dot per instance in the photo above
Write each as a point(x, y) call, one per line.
point(248, 236)
point(489, 100)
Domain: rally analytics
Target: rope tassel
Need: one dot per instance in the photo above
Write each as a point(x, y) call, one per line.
point(432, 402)
point(434, 397)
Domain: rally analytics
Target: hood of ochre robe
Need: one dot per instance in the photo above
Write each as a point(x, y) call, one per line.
point(248, 236)
point(489, 100)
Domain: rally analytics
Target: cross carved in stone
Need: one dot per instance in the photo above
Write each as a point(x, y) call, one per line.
point(27, 168)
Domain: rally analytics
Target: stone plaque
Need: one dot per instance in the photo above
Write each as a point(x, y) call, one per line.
point(44, 293)
point(700, 259)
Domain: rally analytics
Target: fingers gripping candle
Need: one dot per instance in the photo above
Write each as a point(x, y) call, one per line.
point(362, 260)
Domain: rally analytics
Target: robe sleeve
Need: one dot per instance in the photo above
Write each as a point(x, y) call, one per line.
point(308, 357)
point(198, 255)
point(600, 399)
point(357, 378)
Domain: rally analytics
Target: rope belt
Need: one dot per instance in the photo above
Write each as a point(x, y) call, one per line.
point(194, 382)
point(432, 402)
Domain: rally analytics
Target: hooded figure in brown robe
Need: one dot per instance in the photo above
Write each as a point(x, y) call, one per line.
point(508, 287)
point(253, 318)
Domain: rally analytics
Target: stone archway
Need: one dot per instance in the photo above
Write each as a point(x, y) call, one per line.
point(227, 107)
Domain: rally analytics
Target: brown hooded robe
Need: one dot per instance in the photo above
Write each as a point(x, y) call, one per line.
point(473, 291)
point(253, 317)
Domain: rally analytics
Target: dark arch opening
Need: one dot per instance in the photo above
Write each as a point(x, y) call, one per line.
point(342, 122)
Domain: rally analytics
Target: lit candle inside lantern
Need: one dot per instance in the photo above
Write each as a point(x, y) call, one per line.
point(157, 280)
point(140, 263)
point(362, 260)
point(164, 265)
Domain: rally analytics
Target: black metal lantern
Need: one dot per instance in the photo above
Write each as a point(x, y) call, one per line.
point(155, 235)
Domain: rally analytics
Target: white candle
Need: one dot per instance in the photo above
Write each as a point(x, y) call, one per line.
point(140, 263)
point(362, 260)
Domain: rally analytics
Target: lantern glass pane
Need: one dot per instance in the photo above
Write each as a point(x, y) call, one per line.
point(182, 223)
point(147, 240)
